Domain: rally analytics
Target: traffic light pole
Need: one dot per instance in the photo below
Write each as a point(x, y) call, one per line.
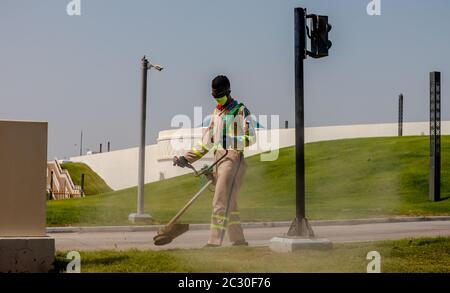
point(300, 226)
point(300, 234)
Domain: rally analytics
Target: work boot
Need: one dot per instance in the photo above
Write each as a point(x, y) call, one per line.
point(240, 243)
point(209, 245)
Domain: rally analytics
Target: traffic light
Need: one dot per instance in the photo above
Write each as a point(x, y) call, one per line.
point(319, 36)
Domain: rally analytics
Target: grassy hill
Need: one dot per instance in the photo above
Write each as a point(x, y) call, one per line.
point(93, 184)
point(355, 178)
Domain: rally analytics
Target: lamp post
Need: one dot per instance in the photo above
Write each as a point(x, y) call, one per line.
point(140, 216)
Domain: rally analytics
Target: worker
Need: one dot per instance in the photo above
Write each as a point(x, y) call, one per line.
point(230, 129)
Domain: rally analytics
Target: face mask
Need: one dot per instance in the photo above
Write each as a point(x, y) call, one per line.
point(222, 101)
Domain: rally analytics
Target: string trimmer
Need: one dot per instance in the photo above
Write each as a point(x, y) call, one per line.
point(172, 230)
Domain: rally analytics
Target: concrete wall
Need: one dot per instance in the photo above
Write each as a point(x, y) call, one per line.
point(119, 168)
point(23, 156)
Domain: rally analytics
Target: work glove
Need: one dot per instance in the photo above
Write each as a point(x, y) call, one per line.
point(180, 161)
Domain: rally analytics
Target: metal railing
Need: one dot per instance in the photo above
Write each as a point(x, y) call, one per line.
point(68, 188)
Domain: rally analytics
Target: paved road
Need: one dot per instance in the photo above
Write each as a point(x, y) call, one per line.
point(255, 236)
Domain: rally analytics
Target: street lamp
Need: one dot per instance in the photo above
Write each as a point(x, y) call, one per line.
point(140, 216)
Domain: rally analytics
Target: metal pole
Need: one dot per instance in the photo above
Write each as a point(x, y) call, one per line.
point(51, 184)
point(300, 22)
point(82, 183)
point(300, 226)
point(81, 144)
point(139, 216)
point(141, 171)
point(435, 137)
point(400, 115)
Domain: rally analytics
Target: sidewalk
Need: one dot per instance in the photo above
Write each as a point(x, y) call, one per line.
point(337, 232)
point(152, 228)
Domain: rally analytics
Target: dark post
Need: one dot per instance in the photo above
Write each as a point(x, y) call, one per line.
point(51, 184)
point(109, 146)
point(286, 124)
point(101, 148)
point(435, 136)
point(300, 226)
point(300, 45)
point(82, 183)
point(400, 115)
point(81, 144)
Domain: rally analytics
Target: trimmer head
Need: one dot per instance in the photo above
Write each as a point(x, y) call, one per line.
point(168, 233)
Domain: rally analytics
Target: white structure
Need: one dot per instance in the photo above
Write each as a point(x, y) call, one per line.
point(119, 168)
point(24, 246)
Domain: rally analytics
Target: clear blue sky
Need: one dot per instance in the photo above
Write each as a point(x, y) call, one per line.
point(83, 72)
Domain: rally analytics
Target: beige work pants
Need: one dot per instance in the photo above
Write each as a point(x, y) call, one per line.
point(228, 178)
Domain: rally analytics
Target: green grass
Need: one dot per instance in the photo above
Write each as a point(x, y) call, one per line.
point(93, 184)
point(355, 178)
point(409, 256)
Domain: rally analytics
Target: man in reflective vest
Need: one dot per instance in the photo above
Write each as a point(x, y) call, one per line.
point(231, 129)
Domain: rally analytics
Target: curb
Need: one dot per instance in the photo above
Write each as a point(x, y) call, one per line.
point(153, 228)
